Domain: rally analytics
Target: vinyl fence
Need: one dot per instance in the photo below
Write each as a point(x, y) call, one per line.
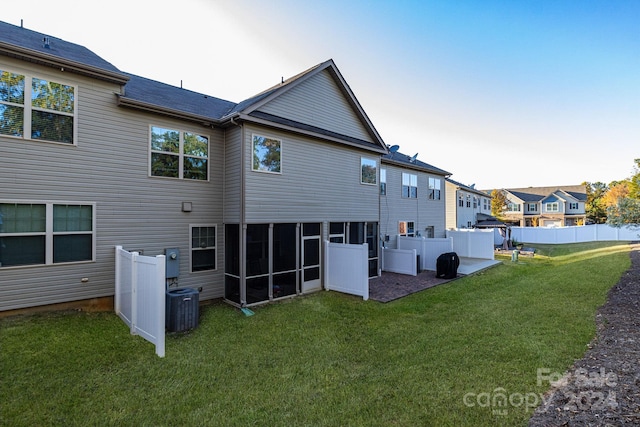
point(403, 261)
point(140, 295)
point(346, 268)
point(428, 249)
point(473, 243)
point(576, 234)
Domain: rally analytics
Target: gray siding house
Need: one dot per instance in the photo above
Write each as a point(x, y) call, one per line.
point(94, 157)
point(465, 205)
point(560, 206)
point(412, 198)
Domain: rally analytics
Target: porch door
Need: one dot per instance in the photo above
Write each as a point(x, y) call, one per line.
point(310, 256)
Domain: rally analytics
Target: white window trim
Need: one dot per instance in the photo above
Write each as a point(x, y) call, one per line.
point(432, 188)
point(180, 153)
point(406, 227)
point(549, 207)
point(368, 159)
point(412, 177)
point(251, 148)
point(49, 233)
point(191, 249)
point(27, 107)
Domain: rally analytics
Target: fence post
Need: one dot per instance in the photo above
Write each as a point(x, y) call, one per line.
point(134, 292)
point(118, 303)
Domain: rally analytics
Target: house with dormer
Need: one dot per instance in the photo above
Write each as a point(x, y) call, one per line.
point(95, 157)
point(546, 206)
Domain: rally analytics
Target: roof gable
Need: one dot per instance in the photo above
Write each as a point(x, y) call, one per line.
point(318, 99)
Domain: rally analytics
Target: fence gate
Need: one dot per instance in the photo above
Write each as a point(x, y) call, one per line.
point(346, 268)
point(140, 295)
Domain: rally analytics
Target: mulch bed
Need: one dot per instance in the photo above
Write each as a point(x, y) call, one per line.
point(603, 388)
point(391, 286)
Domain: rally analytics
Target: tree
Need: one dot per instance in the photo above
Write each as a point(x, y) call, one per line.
point(498, 203)
point(595, 209)
point(625, 212)
point(617, 190)
point(634, 181)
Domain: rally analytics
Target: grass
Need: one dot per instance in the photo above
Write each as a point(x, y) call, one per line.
point(325, 359)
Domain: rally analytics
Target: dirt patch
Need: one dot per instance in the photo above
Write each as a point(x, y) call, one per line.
point(603, 388)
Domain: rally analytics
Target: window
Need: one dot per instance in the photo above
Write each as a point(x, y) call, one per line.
point(203, 247)
point(573, 206)
point(484, 204)
point(368, 171)
point(46, 233)
point(50, 116)
point(434, 188)
point(552, 207)
point(513, 207)
point(179, 154)
point(460, 201)
point(383, 182)
point(406, 228)
point(475, 202)
point(266, 154)
point(531, 207)
point(409, 185)
point(468, 201)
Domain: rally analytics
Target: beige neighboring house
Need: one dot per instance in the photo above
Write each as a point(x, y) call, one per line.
point(559, 206)
point(465, 205)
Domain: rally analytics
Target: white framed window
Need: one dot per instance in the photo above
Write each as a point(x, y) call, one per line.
point(36, 108)
point(513, 207)
point(203, 247)
point(409, 185)
point(552, 207)
point(368, 171)
point(383, 181)
point(460, 200)
point(406, 228)
point(46, 233)
point(266, 154)
point(468, 200)
point(532, 207)
point(434, 188)
point(178, 154)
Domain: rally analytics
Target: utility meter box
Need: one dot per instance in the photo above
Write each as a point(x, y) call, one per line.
point(172, 263)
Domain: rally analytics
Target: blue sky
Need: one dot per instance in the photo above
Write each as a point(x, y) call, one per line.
point(502, 94)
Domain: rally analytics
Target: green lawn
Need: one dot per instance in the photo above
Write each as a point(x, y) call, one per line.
point(437, 357)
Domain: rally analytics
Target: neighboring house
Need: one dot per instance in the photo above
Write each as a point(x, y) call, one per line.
point(465, 205)
point(546, 206)
point(94, 157)
point(412, 198)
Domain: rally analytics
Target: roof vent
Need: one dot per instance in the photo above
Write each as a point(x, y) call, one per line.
point(47, 42)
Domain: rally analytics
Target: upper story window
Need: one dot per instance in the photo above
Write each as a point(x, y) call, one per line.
point(468, 200)
point(409, 185)
point(46, 233)
point(267, 154)
point(573, 205)
point(513, 207)
point(179, 154)
point(532, 207)
point(434, 188)
point(484, 204)
point(475, 202)
point(368, 171)
point(460, 201)
point(552, 207)
point(35, 108)
point(383, 182)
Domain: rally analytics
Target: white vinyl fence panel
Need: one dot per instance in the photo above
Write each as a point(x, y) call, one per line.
point(428, 249)
point(473, 243)
point(346, 268)
point(403, 261)
point(140, 295)
point(574, 234)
